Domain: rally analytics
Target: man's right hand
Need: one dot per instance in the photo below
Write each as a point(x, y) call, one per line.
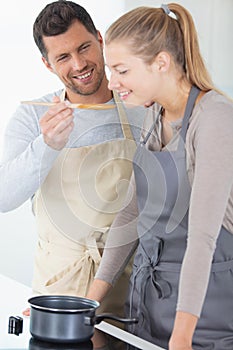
point(57, 124)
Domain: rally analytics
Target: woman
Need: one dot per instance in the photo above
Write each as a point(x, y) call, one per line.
point(182, 283)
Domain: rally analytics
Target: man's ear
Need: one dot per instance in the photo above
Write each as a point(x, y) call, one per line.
point(162, 61)
point(100, 38)
point(47, 64)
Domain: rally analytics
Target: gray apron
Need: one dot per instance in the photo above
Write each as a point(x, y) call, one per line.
point(163, 193)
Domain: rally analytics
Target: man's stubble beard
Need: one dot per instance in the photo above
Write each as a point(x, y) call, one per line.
point(86, 92)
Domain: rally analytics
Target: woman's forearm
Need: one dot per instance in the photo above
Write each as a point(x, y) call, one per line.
point(98, 290)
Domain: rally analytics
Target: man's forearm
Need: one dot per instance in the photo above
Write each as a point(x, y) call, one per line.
point(21, 177)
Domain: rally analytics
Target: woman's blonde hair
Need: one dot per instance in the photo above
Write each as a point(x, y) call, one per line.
point(150, 30)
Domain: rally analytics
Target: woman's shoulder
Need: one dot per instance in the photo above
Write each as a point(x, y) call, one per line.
point(214, 101)
point(213, 107)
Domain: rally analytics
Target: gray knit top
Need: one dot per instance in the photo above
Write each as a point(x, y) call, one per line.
point(209, 146)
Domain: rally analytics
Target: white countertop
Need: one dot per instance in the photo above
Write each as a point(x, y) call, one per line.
point(13, 301)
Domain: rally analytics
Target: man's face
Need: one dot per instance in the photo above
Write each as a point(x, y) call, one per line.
point(76, 57)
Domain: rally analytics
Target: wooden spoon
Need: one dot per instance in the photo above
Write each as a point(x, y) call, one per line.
point(73, 105)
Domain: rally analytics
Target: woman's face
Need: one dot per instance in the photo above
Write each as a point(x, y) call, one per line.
point(134, 80)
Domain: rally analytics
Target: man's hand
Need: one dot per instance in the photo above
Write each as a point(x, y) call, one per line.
point(57, 124)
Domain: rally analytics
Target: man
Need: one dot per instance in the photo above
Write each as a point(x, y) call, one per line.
point(72, 162)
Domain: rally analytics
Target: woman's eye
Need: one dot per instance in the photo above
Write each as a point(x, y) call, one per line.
point(123, 72)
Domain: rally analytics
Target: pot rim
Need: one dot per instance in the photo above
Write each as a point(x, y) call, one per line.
point(90, 304)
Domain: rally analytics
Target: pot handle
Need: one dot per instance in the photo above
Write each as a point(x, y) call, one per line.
point(91, 321)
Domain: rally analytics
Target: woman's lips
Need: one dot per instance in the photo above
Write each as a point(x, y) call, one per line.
point(124, 94)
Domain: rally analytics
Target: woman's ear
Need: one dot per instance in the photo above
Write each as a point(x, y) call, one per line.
point(162, 61)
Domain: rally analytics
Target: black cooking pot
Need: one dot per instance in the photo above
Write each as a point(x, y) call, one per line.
point(66, 319)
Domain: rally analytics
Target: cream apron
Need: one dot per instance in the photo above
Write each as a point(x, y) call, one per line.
point(74, 209)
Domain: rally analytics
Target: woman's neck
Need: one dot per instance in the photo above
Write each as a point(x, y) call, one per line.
point(174, 108)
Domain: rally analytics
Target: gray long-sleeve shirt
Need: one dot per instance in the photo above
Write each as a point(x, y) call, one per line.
point(27, 159)
point(209, 145)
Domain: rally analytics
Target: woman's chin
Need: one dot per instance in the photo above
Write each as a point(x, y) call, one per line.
point(132, 104)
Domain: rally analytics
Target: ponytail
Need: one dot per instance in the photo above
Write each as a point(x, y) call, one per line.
point(195, 69)
point(150, 30)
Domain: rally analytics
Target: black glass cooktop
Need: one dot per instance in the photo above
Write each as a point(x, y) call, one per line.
point(111, 344)
point(102, 342)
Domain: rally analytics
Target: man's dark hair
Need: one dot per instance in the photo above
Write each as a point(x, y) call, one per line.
point(56, 18)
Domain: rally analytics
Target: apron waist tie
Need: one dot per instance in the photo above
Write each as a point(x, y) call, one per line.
point(73, 250)
point(176, 267)
point(161, 285)
point(80, 268)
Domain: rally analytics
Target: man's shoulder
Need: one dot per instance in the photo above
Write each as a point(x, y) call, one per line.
point(49, 96)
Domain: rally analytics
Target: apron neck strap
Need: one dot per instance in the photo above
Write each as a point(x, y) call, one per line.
point(144, 141)
point(123, 118)
point(63, 95)
point(194, 92)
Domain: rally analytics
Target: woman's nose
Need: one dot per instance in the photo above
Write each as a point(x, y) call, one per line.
point(113, 83)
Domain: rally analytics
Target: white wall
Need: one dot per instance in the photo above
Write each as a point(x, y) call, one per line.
point(23, 77)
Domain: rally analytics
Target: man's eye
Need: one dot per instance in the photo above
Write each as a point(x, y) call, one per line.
point(85, 47)
point(62, 58)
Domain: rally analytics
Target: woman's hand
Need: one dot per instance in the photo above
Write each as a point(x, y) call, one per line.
point(179, 343)
point(26, 312)
point(182, 335)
